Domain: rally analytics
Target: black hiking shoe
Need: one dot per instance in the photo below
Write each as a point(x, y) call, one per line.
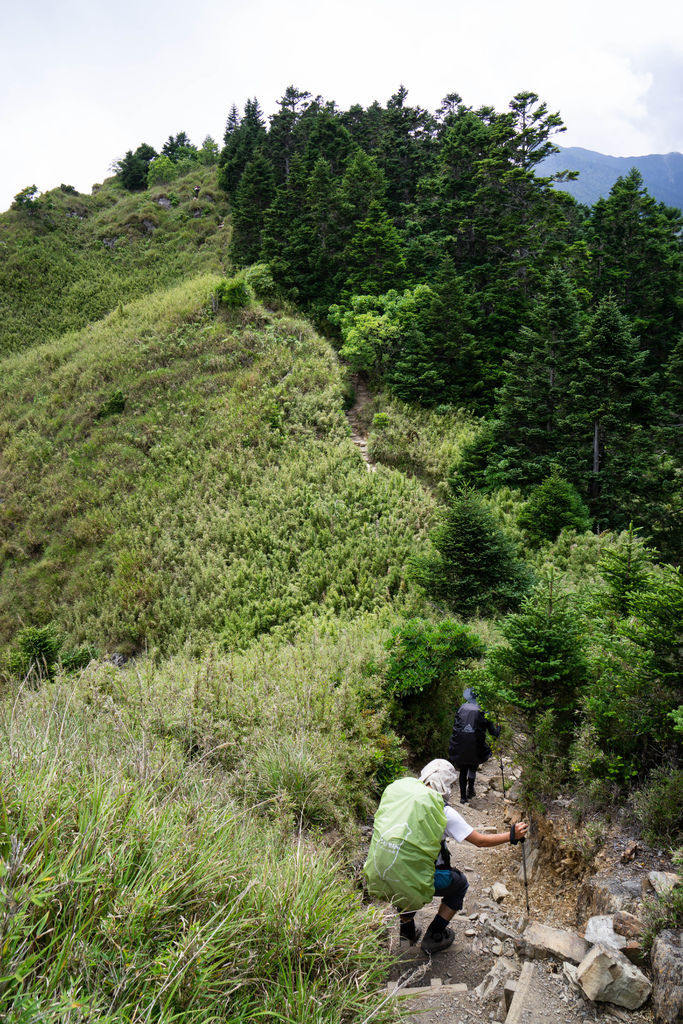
point(463, 799)
point(434, 942)
point(412, 939)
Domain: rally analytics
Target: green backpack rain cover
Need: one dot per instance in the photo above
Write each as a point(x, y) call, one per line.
point(406, 839)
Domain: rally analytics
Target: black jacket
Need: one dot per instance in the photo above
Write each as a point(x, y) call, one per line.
point(468, 740)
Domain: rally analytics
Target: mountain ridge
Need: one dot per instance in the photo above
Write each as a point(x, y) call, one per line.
point(662, 173)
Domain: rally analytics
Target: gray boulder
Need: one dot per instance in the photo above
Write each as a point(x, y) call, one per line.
point(606, 976)
point(600, 931)
point(540, 942)
point(667, 973)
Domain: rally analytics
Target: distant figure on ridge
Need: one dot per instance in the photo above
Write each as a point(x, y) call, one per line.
point(468, 748)
point(196, 191)
point(408, 862)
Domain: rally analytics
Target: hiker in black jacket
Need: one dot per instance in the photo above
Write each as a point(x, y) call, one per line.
point(468, 748)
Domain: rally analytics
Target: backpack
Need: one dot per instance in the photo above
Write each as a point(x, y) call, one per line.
point(406, 839)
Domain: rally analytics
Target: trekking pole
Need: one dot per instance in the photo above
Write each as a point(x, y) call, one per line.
point(502, 773)
point(526, 883)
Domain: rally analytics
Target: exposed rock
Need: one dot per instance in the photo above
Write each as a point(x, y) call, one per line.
point(600, 929)
point(163, 201)
point(149, 226)
point(606, 976)
point(501, 931)
point(667, 972)
point(492, 985)
point(109, 242)
point(630, 852)
point(499, 892)
point(628, 925)
point(606, 894)
point(663, 881)
point(539, 941)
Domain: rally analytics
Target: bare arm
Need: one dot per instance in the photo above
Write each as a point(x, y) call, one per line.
point(498, 838)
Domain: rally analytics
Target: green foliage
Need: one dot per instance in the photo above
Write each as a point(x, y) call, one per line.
point(542, 665)
point(102, 252)
point(114, 405)
point(474, 567)
point(133, 168)
point(35, 651)
point(553, 506)
point(233, 293)
point(636, 664)
point(162, 867)
point(423, 653)
point(26, 199)
point(422, 678)
point(543, 759)
point(260, 280)
point(625, 568)
point(226, 500)
point(161, 170)
point(658, 806)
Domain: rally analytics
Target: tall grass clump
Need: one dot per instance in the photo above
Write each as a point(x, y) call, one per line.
point(139, 882)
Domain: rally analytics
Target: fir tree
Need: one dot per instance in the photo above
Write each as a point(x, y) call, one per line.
point(542, 664)
point(474, 568)
point(533, 400)
point(608, 452)
point(373, 257)
point(254, 195)
point(553, 506)
point(243, 138)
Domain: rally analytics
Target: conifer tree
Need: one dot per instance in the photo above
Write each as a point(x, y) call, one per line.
point(625, 569)
point(474, 567)
point(542, 664)
point(553, 506)
point(374, 258)
point(254, 195)
point(637, 258)
point(533, 400)
point(242, 140)
point(608, 450)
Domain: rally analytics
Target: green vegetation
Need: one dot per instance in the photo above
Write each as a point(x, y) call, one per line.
point(70, 259)
point(220, 636)
point(150, 867)
point(221, 499)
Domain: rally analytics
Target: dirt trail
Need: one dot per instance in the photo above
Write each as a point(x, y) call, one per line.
point(480, 940)
point(359, 434)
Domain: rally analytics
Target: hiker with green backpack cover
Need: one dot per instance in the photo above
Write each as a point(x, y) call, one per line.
point(408, 861)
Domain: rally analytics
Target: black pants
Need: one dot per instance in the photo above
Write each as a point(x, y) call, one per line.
point(467, 774)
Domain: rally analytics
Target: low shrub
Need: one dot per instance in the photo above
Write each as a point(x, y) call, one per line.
point(35, 652)
point(658, 806)
point(233, 293)
point(422, 680)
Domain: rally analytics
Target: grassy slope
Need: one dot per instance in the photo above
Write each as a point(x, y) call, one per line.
point(225, 500)
point(76, 257)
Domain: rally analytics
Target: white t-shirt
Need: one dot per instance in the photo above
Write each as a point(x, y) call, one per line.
point(456, 826)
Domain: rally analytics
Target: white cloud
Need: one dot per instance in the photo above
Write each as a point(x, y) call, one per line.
point(80, 83)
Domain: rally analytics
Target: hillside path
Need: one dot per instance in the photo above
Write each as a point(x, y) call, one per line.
point(359, 434)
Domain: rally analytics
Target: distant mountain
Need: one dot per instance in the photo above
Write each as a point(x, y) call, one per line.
point(662, 173)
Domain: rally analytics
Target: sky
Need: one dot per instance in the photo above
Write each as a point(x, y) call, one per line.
point(82, 81)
